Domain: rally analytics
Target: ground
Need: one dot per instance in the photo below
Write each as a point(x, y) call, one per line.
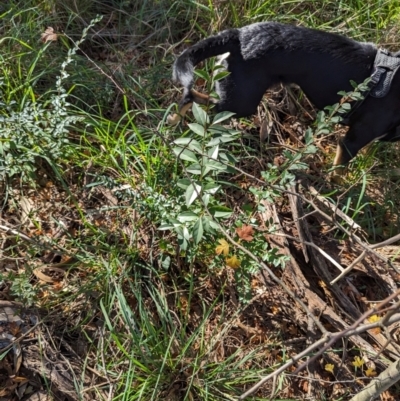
point(118, 281)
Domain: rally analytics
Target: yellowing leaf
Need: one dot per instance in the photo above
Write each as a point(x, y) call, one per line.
point(222, 248)
point(245, 233)
point(370, 372)
point(233, 262)
point(358, 362)
point(374, 318)
point(329, 367)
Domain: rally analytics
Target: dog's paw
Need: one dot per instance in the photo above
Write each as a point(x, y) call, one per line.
point(336, 176)
point(336, 179)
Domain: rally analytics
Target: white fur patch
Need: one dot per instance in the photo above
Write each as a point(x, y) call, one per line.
point(185, 77)
point(222, 57)
point(221, 60)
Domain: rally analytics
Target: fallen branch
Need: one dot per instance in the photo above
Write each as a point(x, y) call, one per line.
point(378, 385)
point(328, 340)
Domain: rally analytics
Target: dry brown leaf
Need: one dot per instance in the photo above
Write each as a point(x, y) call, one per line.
point(57, 274)
point(20, 379)
point(275, 309)
point(14, 328)
point(304, 386)
point(27, 207)
point(58, 286)
point(245, 233)
point(49, 35)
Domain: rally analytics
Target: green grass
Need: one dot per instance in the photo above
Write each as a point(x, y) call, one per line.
point(156, 309)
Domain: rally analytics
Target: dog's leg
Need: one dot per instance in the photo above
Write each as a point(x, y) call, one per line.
point(338, 163)
point(360, 134)
point(342, 157)
point(345, 151)
point(241, 91)
point(392, 136)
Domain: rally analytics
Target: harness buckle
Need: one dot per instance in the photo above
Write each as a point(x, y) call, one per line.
point(376, 75)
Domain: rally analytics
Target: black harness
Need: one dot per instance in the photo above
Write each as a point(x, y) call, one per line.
point(385, 66)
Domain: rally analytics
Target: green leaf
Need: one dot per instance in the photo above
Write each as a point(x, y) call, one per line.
point(209, 225)
point(194, 169)
point(224, 115)
point(220, 211)
point(220, 75)
point(183, 183)
point(219, 67)
point(190, 143)
point(179, 231)
point(183, 141)
point(200, 115)
point(198, 231)
point(213, 152)
point(206, 199)
point(320, 116)
point(219, 129)
point(353, 84)
point(186, 233)
point(221, 139)
point(211, 188)
point(308, 137)
point(212, 165)
point(185, 154)
point(166, 262)
point(192, 192)
point(202, 74)
point(198, 129)
point(165, 227)
point(183, 243)
point(311, 149)
point(187, 216)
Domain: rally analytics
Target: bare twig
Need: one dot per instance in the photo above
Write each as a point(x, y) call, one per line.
point(321, 251)
point(364, 254)
point(328, 340)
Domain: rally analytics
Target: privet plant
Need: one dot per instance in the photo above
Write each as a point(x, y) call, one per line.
point(205, 153)
point(32, 129)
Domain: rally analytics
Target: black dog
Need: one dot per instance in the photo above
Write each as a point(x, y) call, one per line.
point(321, 63)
